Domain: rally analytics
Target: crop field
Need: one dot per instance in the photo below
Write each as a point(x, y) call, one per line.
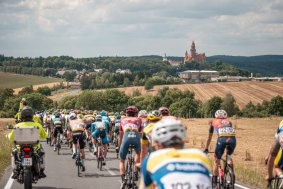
point(254, 139)
point(11, 80)
point(243, 92)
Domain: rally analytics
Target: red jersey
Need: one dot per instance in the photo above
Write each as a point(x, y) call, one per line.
point(131, 124)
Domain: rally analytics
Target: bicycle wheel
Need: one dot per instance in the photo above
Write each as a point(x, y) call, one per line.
point(229, 178)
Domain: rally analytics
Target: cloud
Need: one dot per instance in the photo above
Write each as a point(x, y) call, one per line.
point(136, 27)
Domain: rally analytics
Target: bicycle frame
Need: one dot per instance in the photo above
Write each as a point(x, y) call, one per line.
point(100, 153)
point(130, 168)
point(227, 171)
point(78, 157)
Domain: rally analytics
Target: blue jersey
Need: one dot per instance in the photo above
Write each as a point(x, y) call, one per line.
point(98, 126)
point(171, 168)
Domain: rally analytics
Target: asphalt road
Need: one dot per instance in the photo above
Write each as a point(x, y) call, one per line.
point(62, 173)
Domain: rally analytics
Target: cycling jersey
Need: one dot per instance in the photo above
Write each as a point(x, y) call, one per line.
point(99, 130)
point(226, 136)
point(58, 126)
point(130, 126)
point(147, 138)
point(172, 168)
point(117, 124)
point(279, 138)
point(106, 120)
point(76, 125)
point(223, 127)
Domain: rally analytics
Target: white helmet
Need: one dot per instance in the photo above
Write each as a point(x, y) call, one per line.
point(221, 114)
point(169, 131)
point(142, 113)
point(73, 116)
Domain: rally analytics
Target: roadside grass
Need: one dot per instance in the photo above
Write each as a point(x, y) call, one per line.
point(5, 152)
point(11, 80)
point(250, 175)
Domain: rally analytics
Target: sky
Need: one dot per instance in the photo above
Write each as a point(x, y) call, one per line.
point(91, 28)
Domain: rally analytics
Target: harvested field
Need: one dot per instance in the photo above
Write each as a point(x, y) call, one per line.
point(17, 90)
point(244, 92)
point(254, 139)
point(11, 80)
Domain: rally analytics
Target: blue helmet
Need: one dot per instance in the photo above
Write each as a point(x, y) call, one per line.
point(103, 113)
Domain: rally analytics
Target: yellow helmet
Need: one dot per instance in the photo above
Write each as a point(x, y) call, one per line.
point(154, 115)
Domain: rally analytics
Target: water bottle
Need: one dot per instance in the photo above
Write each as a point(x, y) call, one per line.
point(221, 173)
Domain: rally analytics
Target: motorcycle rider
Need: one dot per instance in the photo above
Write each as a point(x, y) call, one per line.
point(27, 121)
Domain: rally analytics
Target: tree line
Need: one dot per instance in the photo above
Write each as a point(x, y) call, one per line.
point(180, 103)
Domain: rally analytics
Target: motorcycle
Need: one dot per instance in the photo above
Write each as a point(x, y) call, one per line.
point(26, 158)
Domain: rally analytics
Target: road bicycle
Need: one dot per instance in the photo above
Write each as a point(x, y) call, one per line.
point(78, 157)
point(226, 175)
point(276, 183)
point(100, 153)
point(115, 142)
point(131, 172)
point(58, 141)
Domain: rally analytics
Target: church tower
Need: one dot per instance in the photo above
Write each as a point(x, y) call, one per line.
point(193, 49)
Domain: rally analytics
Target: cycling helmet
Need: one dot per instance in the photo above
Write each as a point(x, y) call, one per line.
point(154, 115)
point(73, 116)
point(27, 113)
point(132, 110)
point(98, 118)
point(116, 114)
point(142, 113)
point(122, 113)
point(222, 114)
point(103, 113)
point(56, 114)
point(169, 132)
point(164, 111)
point(90, 112)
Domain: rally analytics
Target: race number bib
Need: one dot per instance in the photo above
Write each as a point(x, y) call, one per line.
point(177, 180)
point(130, 127)
point(131, 134)
point(226, 131)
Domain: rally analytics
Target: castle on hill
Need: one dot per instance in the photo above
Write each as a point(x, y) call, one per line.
point(194, 56)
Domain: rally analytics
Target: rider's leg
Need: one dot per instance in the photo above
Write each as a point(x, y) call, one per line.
point(55, 138)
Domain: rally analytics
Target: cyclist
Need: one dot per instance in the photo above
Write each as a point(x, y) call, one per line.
point(146, 141)
point(226, 140)
point(275, 154)
point(27, 121)
point(98, 129)
point(130, 129)
point(57, 125)
point(89, 118)
point(172, 166)
point(76, 127)
point(143, 116)
point(116, 132)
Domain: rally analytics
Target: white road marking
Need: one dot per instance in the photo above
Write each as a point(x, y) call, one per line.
point(111, 172)
point(9, 183)
point(240, 186)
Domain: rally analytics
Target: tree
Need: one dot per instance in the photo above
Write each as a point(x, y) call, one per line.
point(229, 105)
point(5, 94)
point(26, 90)
point(186, 107)
point(44, 91)
point(69, 76)
point(275, 106)
point(213, 105)
point(85, 82)
point(148, 84)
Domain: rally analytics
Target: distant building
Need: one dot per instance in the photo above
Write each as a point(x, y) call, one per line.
point(126, 71)
point(198, 75)
point(194, 56)
point(171, 62)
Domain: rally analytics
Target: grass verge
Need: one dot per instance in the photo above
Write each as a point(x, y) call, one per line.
point(5, 152)
point(250, 175)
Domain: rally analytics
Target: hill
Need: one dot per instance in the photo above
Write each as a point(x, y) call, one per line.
point(268, 65)
point(10, 80)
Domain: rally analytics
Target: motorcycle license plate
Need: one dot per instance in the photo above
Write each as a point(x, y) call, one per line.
point(27, 162)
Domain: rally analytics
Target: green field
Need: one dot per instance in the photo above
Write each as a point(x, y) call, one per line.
point(11, 80)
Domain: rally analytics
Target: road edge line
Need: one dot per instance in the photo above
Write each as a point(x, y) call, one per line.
point(9, 183)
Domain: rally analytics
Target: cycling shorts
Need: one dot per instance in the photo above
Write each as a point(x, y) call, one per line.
point(79, 135)
point(116, 129)
point(278, 162)
point(129, 138)
point(57, 129)
point(102, 134)
point(226, 142)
